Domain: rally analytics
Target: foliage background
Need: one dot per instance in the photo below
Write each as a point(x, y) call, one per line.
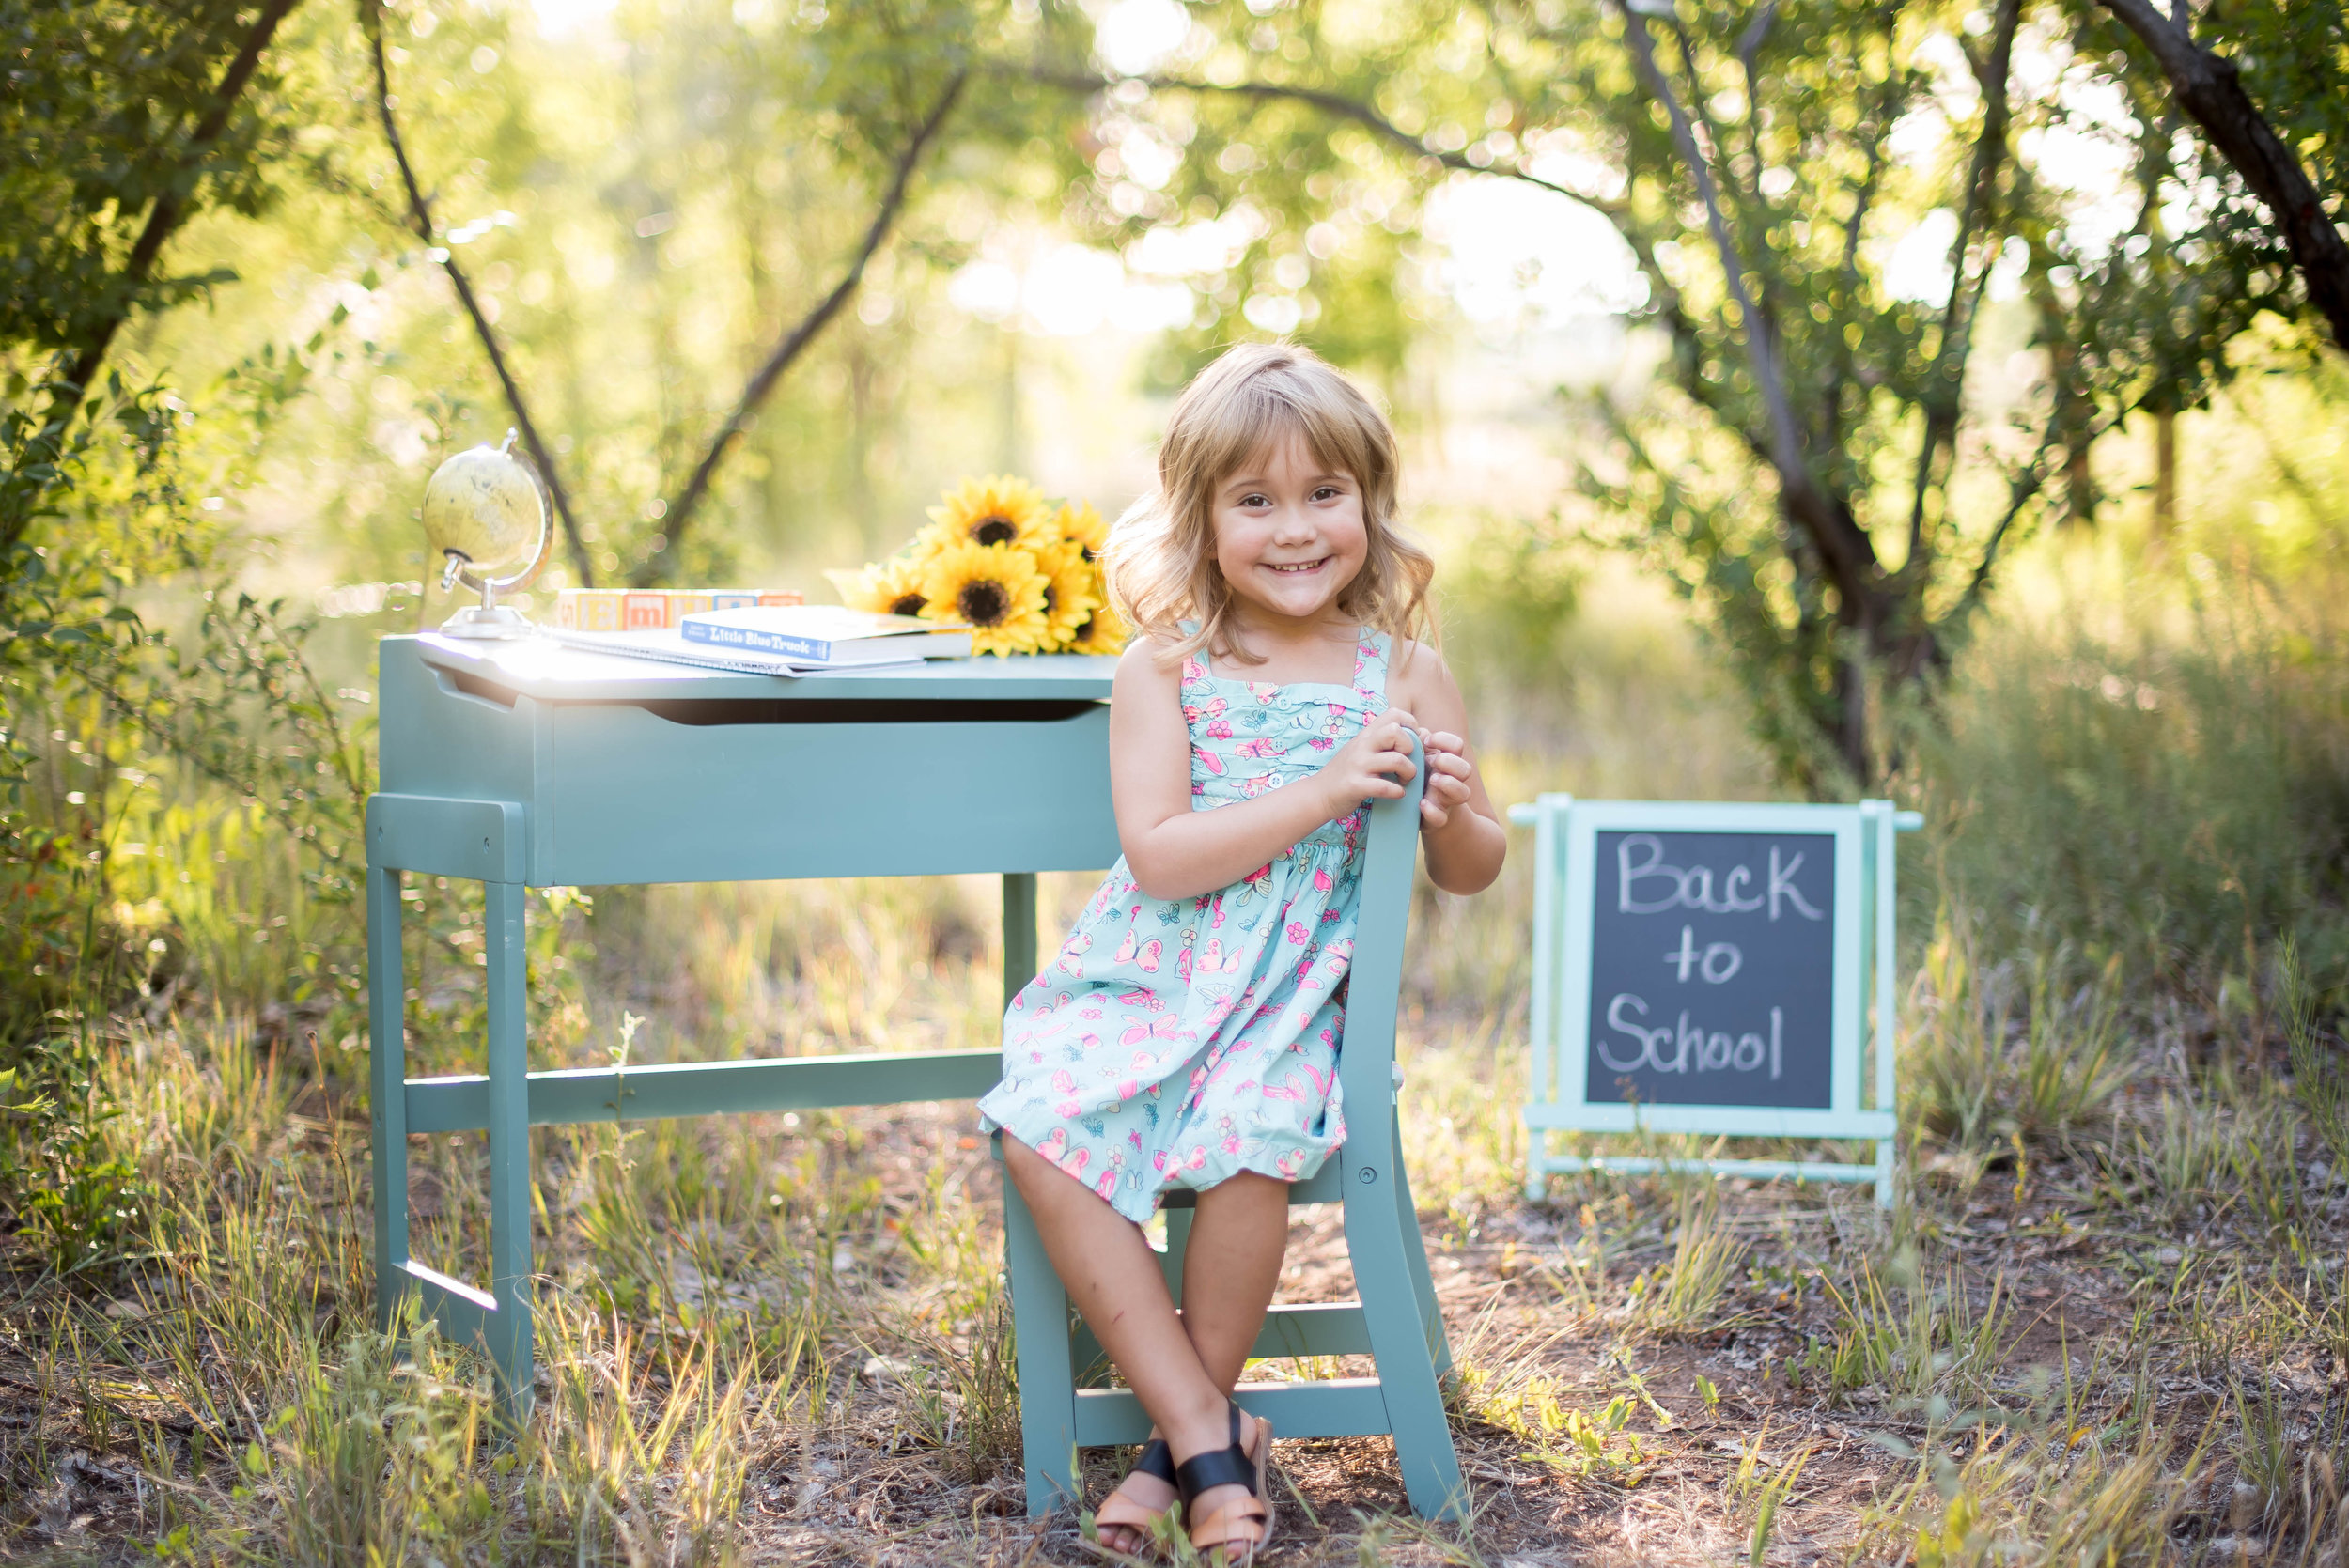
point(2129, 738)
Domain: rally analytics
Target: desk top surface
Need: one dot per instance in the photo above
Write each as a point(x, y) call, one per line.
point(544, 669)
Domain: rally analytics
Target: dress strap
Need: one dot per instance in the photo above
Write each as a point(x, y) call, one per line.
point(1370, 667)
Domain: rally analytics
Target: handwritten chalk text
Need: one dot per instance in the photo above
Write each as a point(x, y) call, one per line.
point(1649, 886)
point(1685, 1047)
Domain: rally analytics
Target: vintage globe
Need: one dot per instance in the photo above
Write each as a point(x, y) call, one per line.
point(485, 519)
point(484, 506)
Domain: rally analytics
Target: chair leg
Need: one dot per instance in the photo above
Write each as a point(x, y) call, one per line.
point(1415, 1254)
point(1048, 1388)
point(387, 1093)
point(1398, 1338)
point(508, 1330)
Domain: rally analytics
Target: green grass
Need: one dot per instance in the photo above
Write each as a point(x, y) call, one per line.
point(2106, 1324)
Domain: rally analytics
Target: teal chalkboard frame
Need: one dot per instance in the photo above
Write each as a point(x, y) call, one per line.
point(1865, 1008)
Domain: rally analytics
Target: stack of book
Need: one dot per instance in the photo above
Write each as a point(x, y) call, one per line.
point(654, 609)
point(781, 640)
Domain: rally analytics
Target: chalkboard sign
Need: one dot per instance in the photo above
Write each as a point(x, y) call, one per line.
point(1719, 970)
point(1712, 969)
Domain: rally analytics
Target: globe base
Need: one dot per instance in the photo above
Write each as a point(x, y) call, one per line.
point(488, 621)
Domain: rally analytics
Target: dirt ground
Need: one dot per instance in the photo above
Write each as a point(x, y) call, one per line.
point(2091, 1307)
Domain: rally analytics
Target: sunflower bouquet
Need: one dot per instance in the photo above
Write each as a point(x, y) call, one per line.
point(1024, 575)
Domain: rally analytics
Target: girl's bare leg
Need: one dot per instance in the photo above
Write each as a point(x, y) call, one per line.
point(1113, 1275)
point(1230, 1267)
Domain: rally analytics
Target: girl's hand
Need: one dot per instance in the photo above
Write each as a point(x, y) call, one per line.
point(1450, 776)
point(1374, 764)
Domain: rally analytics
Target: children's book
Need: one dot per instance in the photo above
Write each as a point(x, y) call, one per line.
point(670, 648)
point(826, 635)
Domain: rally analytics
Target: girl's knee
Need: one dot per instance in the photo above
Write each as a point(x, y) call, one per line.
point(1023, 1161)
point(1253, 1185)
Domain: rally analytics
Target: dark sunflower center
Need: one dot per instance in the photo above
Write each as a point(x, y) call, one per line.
point(1050, 598)
point(994, 531)
point(983, 603)
point(1084, 633)
point(907, 604)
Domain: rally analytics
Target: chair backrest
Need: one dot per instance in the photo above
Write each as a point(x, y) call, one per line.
point(1375, 984)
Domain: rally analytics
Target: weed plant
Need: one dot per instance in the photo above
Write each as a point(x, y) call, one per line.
point(2104, 1325)
point(2155, 775)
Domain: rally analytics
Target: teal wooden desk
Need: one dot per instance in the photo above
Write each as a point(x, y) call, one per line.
point(522, 766)
point(533, 765)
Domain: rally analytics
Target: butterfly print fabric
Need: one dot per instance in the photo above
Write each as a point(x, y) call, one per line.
point(1177, 1042)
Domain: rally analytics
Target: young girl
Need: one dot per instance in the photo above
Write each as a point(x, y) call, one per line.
point(1187, 1033)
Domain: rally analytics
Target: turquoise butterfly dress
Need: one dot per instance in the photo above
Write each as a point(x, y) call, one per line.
point(1176, 1042)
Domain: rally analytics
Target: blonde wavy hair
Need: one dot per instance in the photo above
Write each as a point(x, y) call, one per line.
point(1160, 561)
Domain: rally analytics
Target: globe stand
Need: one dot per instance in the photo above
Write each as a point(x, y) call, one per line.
point(489, 619)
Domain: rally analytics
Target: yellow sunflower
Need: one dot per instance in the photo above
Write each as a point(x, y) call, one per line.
point(891, 587)
point(995, 590)
point(1080, 523)
point(1072, 590)
point(1103, 632)
point(1000, 509)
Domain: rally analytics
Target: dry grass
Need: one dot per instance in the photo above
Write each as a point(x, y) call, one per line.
point(2106, 1325)
point(771, 1339)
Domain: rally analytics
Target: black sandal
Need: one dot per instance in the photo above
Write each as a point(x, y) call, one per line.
point(1237, 1531)
point(1119, 1511)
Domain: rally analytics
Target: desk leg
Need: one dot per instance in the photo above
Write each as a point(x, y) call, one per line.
point(1048, 1373)
point(507, 1329)
point(387, 1092)
point(1018, 932)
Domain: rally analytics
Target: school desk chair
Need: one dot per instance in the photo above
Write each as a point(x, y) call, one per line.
point(1066, 1403)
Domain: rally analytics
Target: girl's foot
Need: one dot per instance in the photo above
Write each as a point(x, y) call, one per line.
point(1226, 1493)
point(1145, 1495)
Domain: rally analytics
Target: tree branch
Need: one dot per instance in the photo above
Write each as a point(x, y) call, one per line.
point(420, 220)
point(2210, 88)
point(1719, 153)
point(682, 511)
point(2026, 484)
point(1847, 274)
point(1337, 105)
point(1839, 540)
point(1945, 379)
point(170, 207)
point(71, 380)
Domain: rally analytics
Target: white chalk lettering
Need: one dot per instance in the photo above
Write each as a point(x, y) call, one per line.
point(1647, 884)
point(1628, 876)
point(1684, 1046)
point(1717, 962)
point(1616, 1020)
point(1782, 886)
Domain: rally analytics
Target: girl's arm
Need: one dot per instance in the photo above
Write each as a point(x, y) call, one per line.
point(1177, 852)
point(1465, 840)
